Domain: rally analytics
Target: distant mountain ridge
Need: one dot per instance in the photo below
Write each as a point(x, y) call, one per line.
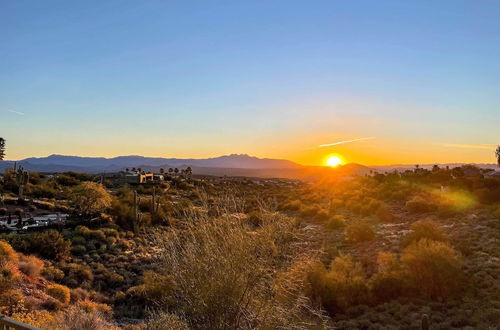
point(61, 163)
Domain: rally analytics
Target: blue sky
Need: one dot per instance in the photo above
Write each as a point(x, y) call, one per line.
point(269, 78)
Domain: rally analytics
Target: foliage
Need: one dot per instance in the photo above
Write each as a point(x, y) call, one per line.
point(59, 292)
point(48, 244)
point(341, 286)
point(335, 222)
point(434, 268)
point(359, 231)
point(90, 198)
point(427, 229)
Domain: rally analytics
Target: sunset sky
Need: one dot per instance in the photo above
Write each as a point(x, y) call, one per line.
point(415, 81)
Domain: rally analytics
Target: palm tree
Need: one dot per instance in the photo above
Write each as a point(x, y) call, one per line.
point(497, 153)
point(2, 148)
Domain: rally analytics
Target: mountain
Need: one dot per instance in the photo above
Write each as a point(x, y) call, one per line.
point(61, 163)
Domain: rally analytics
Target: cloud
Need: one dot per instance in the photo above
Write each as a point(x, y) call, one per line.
point(346, 141)
point(470, 146)
point(16, 112)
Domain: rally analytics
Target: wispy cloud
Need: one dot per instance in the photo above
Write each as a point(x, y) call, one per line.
point(346, 141)
point(17, 112)
point(470, 146)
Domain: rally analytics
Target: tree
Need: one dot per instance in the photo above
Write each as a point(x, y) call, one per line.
point(2, 148)
point(497, 153)
point(90, 198)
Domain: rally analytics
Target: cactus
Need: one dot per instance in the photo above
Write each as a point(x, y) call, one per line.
point(136, 225)
point(425, 322)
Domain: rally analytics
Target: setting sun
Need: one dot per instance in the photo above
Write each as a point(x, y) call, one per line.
point(333, 161)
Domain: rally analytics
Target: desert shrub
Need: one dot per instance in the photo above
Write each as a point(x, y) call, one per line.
point(77, 274)
point(52, 273)
point(90, 198)
point(30, 265)
point(48, 244)
point(427, 229)
point(59, 292)
point(160, 321)
point(78, 318)
point(335, 222)
point(111, 232)
point(35, 318)
point(78, 250)
point(216, 262)
point(340, 287)
point(7, 254)
point(94, 307)
point(359, 231)
point(434, 268)
point(79, 294)
point(390, 281)
point(419, 204)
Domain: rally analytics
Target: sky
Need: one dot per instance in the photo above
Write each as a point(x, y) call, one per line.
point(417, 82)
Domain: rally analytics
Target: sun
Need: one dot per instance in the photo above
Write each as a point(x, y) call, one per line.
point(334, 161)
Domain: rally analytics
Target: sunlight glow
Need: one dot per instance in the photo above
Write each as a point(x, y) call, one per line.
point(333, 161)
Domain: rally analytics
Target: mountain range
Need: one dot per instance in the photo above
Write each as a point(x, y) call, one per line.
point(62, 163)
point(230, 165)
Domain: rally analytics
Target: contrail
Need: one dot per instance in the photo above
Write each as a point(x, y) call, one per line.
point(17, 112)
point(346, 141)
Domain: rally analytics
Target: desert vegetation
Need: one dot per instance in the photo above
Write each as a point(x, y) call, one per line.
point(378, 251)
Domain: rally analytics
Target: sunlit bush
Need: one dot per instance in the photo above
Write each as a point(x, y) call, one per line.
point(59, 292)
point(340, 287)
point(390, 280)
point(427, 229)
point(434, 268)
point(52, 273)
point(7, 254)
point(335, 222)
